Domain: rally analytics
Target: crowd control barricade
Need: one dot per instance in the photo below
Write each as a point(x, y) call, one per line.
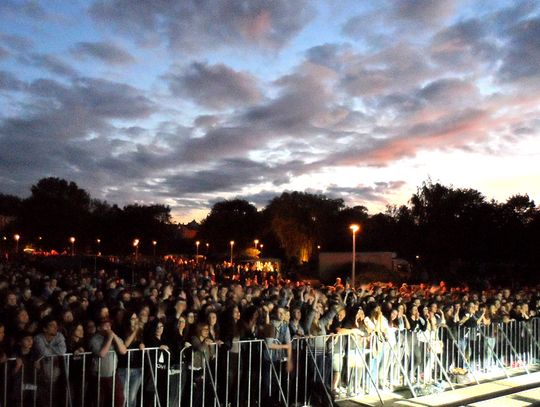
point(254, 373)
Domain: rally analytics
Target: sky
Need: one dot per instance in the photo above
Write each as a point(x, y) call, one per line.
point(185, 103)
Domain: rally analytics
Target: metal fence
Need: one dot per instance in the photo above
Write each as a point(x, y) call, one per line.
point(250, 373)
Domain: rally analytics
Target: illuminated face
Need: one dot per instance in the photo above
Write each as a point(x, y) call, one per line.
point(341, 314)
point(212, 318)
point(236, 314)
point(27, 342)
point(79, 332)
point(51, 328)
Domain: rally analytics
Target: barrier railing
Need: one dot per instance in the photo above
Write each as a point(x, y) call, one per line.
point(253, 373)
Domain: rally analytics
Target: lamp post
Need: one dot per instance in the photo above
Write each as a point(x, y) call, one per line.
point(72, 241)
point(136, 246)
point(354, 229)
point(16, 237)
point(232, 245)
point(154, 244)
point(98, 241)
point(261, 246)
point(207, 248)
point(256, 243)
point(197, 243)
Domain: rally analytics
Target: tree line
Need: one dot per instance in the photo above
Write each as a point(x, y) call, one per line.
point(439, 225)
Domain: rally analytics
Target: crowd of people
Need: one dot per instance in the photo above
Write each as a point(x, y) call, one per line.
point(186, 303)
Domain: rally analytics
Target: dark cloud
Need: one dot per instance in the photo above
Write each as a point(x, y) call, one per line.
point(224, 176)
point(16, 43)
point(301, 105)
point(8, 81)
point(196, 24)
point(27, 8)
point(423, 12)
point(215, 86)
point(466, 45)
point(97, 97)
point(206, 121)
point(108, 53)
point(4, 53)
point(399, 67)
point(449, 91)
point(51, 63)
point(376, 193)
point(522, 59)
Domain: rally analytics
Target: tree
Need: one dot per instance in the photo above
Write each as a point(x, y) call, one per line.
point(236, 220)
point(300, 221)
point(56, 210)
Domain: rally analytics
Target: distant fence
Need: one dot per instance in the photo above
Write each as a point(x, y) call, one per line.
point(250, 373)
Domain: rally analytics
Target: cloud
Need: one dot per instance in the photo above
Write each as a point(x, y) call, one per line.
point(16, 43)
point(51, 63)
point(522, 58)
point(8, 81)
point(195, 25)
point(423, 12)
point(376, 193)
point(216, 86)
point(105, 52)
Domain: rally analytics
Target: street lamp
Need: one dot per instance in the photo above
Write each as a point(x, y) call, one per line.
point(354, 229)
point(72, 241)
point(154, 244)
point(16, 237)
point(197, 243)
point(136, 246)
point(207, 247)
point(98, 241)
point(232, 245)
point(260, 251)
point(256, 243)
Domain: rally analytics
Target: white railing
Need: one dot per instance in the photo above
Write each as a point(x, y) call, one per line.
point(249, 374)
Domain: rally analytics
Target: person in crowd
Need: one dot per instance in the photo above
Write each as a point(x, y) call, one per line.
point(105, 345)
point(23, 392)
point(49, 348)
point(77, 378)
point(130, 364)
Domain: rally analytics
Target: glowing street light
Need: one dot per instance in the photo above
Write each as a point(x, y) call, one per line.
point(232, 245)
point(154, 244)
point(261, 247)
point(72, 241)
point(98, 242)
point(256, 243)
point(16, 237)
point(197, 243)
point(354, 229)
point(207, 247)
point(136, 246)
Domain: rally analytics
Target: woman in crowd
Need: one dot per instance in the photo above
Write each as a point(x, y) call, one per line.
point(130, 364)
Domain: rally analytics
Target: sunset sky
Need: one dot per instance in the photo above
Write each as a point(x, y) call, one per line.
point(189, 102)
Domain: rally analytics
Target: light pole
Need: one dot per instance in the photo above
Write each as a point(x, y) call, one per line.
point(136, 246)
point(354, 229)
point(16, 237)
point(197, 243)
point(260, 251)
point(154, 244)
point(98, 241)
point(207, 247)
point(256, 243)
point(72, 241)
point(232, 245)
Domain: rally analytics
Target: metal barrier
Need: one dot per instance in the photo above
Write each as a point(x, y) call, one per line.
point(252, 373)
